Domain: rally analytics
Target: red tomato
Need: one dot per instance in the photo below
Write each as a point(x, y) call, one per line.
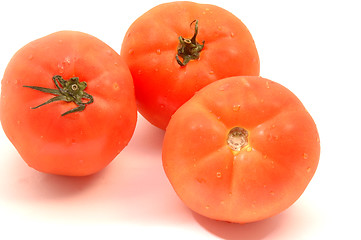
point(241, 150)
point(93, 113)
point(215, 43)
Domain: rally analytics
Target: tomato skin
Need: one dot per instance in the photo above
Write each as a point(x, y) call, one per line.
point(80, 143)
point(150, 46)
point(265, 177)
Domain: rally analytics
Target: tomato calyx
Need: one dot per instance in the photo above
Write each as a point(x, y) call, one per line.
point(237, 139)
point(189, 48)
point(67, 90)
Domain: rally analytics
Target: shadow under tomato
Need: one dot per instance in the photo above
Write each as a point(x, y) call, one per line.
point(232, 231)
point(147, 138)
point(25, 183)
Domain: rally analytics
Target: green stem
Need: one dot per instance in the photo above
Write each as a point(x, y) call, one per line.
point(67, 90)
point(189, 48)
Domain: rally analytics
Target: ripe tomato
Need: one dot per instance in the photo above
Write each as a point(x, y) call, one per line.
point(241, 150)
point(92, 112)
point(211, 42)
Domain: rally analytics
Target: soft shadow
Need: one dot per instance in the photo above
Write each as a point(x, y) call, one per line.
point(147, 137)
point(248, 231)
point(24, 182)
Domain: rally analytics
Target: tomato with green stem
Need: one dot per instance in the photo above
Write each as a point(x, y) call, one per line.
point(68, 104)
point(176, 48)
point(241, 150)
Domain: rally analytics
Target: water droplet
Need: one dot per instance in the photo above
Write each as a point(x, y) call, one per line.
point(232, 34)
point(236, 107)
point(162, 106)
point(15, 81)
point(30, 57)
point(158, 51)
point(131, 51)
point(60, 41)
point(139, 72)
point(267, 84)
point(219, 27)
point(41, 136)
point(265, 156)
point(116, 63)
point(273, 126)
point(308, 169)
point(219, 174)
point(115, 86)
point(318, 139)
point(249, 148)
point(272, 193)
point(201, 180)
point(211, 72)
point(109, 52)
point(61, 68)
point(305, 156)
point(208, 207)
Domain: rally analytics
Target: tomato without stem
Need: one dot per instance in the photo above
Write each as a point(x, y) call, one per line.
point(90, 110)
point(177, 48)
point(241, 150)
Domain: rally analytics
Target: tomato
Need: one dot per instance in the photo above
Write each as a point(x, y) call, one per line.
point(241, 150)
point(176, 48)
point(91, 113)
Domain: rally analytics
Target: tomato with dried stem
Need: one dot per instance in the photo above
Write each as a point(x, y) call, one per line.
point(68, 104)
point(241, 150)
point(176, 48)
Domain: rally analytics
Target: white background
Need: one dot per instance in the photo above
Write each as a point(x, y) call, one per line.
point(311, 47)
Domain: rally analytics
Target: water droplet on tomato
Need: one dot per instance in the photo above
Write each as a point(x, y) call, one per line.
point(211, 72)
point(201, 180)
point(30, 57)
point(232, 34)
point(249, 148)
point(308, 169)
point(109, 52)
point(115, 86)
point(267, 84)
point(219, 174)
point(208, 207)
point(60, 41)
point(272, 193)
point(236, 107)
point(305, 156)
point(158, 51)
point(61, 68)
point(131, 51)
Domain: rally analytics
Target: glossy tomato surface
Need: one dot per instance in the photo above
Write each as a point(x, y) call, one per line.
point(241, 150)
point(81, 142)
point(151, 45)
